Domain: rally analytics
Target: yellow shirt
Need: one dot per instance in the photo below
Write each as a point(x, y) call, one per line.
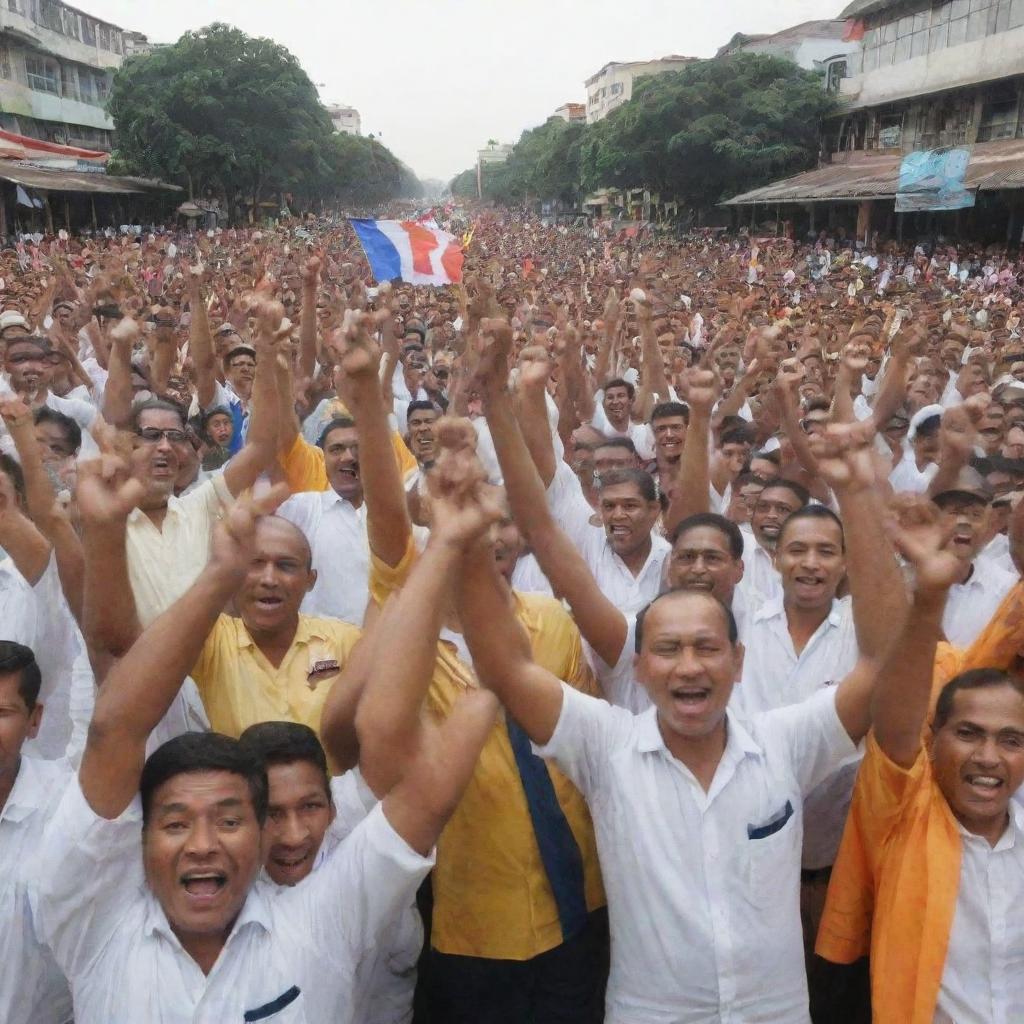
point(240, 687)
point(492, 897)
point(304, 470)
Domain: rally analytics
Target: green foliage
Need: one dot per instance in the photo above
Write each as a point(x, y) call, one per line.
point(701, 134)
point(225, 112)
point(464, 184)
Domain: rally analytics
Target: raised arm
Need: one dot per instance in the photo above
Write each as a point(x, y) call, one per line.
point(902, 694)
point(389, 717)
point(200, 341)
point(41, 502)
point(358, 379)
point(260, 449)
point(534, 371)
point(653, 382)
point(117, 395)
point(19, 537)
point(844, 457)
point(600, 622)
point(141, 686)
point(307, 318)
point(692, 493)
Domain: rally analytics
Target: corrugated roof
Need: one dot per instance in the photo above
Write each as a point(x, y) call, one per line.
point(993, 165)
point(78, 181)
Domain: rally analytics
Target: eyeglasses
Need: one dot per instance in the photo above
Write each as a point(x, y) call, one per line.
point(153, 435)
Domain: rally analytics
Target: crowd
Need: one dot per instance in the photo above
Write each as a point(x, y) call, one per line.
point(628, 634)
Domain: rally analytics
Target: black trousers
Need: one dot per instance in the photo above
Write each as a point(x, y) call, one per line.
point(563, 986)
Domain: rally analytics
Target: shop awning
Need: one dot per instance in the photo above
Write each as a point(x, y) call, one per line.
point(993, 166)
point(47, 180)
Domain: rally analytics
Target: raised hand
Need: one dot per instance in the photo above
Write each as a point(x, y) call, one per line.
point(311, 272)
point(15, 413)
point(124, 334)
point(356, 351)
point(233, 542)
point(700, 389)
point(534, 368)
point(790, 376)
point(463, 506)
point(843, 454)
point(106, 493)
point(855, 358)
point(493, 365)
point(922, 539)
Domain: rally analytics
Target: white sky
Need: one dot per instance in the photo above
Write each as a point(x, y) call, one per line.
point(435, 79)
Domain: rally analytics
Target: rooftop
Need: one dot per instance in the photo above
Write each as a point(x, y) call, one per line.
point(831, 28)
point(861, 8)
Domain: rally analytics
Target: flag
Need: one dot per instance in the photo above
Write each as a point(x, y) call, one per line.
point(409, 250)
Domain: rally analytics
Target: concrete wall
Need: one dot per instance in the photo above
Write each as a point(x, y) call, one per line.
point(995, 56)
point(59, 44)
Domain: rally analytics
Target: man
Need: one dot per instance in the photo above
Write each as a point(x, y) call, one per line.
point(932, 865)
point(334, 523)
point(186, 929)
point(26, 363)
point(668, 424)
point(965, 509)
point(420, 440)
point(32, 988)
point(718, 876)
point(775, 503)
point(308, 815)
point(517, 920)
point(614, 417)
point(919, 462)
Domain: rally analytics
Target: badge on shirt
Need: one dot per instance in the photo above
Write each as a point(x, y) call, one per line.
point(322, 664)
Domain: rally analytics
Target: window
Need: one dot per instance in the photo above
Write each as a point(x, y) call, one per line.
point(88, 31)
point(919, 44)
point(885, 52)
point(977, 25)
point(616, 88)
point(1016, 13)
point(902, 51)
point(958, 32)
point(42, 75)
point(103, 37)
point(999, 115)
point(937, 37)
point(12, 5)
point(836, 73)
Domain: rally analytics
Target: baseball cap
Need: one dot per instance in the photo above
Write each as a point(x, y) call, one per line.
point(969, 483)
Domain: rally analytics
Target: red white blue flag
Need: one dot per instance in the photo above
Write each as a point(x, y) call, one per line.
point(410, 250)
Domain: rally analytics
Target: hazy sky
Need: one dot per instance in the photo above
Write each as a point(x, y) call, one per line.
point(435, 79)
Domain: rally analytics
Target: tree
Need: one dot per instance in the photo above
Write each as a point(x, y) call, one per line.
point(710, 130)
point(225, 112)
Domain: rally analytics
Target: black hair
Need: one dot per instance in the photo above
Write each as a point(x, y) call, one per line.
point(38, 341)
point(928, 427)
point(975, 679)
point(737, 435)
point(644, 481)
point(277, 743)
point(236, 350)
point(420, 405)
point(617, 442)
point(774, 457)
point(338, 423)
point(726, 527)
point(10, 466)
point(157, 405)
point(194, 752)
point(15, 657)
point(71, 430)
point(797, 490)
point(814, 512)
point(618, 382)
point(663, 410)
point(730, 619)
point(817, 404)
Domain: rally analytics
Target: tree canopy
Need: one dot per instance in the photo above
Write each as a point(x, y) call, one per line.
point(221, 111)
point(701, 134)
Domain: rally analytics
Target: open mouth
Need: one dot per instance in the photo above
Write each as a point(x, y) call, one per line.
point(806, 582)
point(619, 532)
point(291, 861)
point(161, 466)
point(269, 602)
point(690, 698)
point(984, 785)
point(204, 887)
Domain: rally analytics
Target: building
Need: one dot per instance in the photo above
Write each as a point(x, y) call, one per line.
point(345, 119)
point(810, 45)
point(613, 84)
point(573, 113)
point(928, 75)
point(56, 65)
point(135, 43)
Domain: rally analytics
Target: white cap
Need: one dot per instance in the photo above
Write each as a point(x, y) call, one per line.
point(12, 318)
point(920, 416)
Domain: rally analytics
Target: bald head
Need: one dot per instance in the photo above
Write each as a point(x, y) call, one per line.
point(684, 603)
point(281, 535)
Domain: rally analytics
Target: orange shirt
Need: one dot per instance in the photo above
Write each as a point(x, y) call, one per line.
point(895, 881)
point(303, 464)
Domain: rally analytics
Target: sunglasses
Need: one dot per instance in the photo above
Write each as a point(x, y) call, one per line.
point(153, 435)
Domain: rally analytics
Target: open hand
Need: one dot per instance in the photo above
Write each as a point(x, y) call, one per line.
point(921, 537)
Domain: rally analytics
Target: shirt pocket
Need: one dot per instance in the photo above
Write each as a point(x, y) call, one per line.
point(287, 1008)
point(772, 853)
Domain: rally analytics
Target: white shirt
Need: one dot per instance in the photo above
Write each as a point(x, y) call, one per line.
point(761, 580)
point(971, 605)
point(982, 980)
point(528, 578)
point(706, 919)
point(774, 676)
point(627, 592)
point(18, 611)
point(907, 477)
point(639, 433)
point(164, 562)
point(32, 987)
point(336, 531)
point(126, 966)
